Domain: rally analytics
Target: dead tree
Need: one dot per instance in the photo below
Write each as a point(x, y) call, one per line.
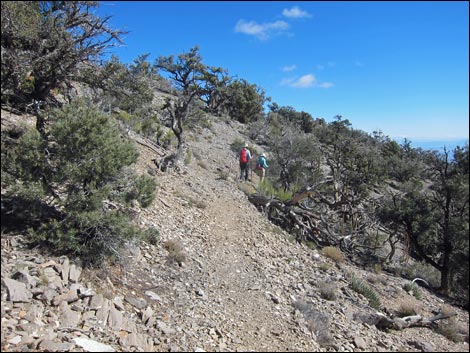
point(383, 322)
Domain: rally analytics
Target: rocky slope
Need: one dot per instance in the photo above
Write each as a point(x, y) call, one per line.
point(220, 278)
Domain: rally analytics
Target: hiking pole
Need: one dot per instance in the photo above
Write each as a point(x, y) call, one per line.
point(251, 171)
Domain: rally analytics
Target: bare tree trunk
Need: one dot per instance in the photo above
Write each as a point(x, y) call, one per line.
point(386, 323)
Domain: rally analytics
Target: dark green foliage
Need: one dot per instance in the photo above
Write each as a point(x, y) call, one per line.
point(76, 175)
point(188, 74)
point(150, 235)
point(44, 43)
point(214, 91)
point(420, 198)
point(245, 102)
point(129, 88)
point(434, 220)
point(302, 120)
point(142, 190)
point(90, 150)
point(294, 158)
point(91, 235)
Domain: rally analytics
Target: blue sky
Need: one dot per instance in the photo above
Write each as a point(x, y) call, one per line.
point(400, 67)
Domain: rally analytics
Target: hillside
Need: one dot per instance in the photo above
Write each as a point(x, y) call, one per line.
point(220, 278)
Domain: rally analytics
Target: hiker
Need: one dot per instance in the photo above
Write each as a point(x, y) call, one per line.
point(261, 167)
point(245, 157)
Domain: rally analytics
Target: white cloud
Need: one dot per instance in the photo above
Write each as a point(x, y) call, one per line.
point(261, 31)
point(302, 82)
point(295, 12)
point(305, 81)
point(289, 68)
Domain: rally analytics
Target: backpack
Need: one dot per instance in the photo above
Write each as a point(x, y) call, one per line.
point(259, 164)
point(243, 158)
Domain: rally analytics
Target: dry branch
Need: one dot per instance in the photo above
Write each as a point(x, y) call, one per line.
point(384, 323)
point(157, 149)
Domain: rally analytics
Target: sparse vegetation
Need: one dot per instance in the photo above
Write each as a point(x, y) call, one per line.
point(377, 268)
point(414, 290)
point(151, 236)
point(327, 290)
point(317, 322)
point(197, 203)
point(333, 253)
point(450, 330)
point(408, 307)
point(176, 253)
point(223, 174)
point(267, 188)
point(324, 266)
point(189, 157)
point(359, 286)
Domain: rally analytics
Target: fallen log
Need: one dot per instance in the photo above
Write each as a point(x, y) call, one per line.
point(383, 322)
point(157, 149)
point(303, 223)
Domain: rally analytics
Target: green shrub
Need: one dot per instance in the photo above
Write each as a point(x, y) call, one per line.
point(70, 182)
point(92, 236)
point(237, 145)
point(268, 189)
point(324, 266)
point(150, 235)
point(205, 123)
point(414, 289)
point(141, 188)
point(359, 286)
point(168, 139)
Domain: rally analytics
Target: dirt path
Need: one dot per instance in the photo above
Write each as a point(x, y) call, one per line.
point(238, 299)
point(231, 292)
point(240, 284)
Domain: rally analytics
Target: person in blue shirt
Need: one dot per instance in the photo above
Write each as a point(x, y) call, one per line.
point(261, 167)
